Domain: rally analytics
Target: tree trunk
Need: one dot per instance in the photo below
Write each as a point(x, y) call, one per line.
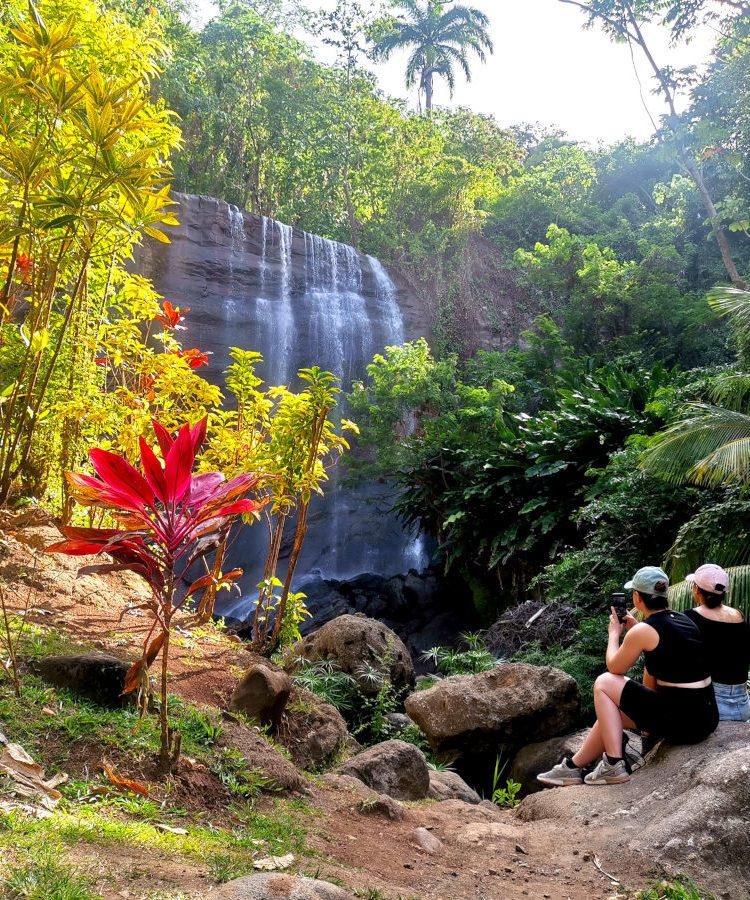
point(428, 92)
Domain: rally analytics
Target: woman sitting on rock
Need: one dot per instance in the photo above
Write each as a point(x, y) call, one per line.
point(676, 700)
point(726, 635)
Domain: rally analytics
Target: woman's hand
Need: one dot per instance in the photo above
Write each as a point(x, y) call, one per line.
point(629, 622)
point(615, 626)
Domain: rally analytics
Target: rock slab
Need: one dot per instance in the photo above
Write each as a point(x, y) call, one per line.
point(278, 887)
point(687, 808)
point(450, 786)
point(394, 768)
point(96, 676)
point(497, 711)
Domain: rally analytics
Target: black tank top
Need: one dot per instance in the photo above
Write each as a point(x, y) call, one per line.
point(680, 655)
point(727, 647)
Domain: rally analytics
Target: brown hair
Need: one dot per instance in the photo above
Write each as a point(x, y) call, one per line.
point(712, 599)
point(655, 602)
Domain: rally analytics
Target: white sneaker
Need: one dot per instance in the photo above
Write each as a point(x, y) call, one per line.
point(607, 773)
point(562, 775)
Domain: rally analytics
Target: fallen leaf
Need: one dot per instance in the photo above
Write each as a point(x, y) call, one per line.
point(162, 827)
point(125, 783)
point(272, 863)
point(48, 711)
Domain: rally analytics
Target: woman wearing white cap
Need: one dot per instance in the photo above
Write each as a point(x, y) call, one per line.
point(676, 700)
point(727, 638)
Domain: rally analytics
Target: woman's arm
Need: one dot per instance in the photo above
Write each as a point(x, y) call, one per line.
point(639, 637)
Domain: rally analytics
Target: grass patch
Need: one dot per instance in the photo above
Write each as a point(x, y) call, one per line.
point(66, 732)
point(46, 877)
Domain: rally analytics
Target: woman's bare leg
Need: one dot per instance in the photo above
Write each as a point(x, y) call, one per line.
point(606, 735)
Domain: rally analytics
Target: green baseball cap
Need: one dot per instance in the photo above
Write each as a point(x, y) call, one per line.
point(646, 579)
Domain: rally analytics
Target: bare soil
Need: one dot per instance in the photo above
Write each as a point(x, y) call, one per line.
point(486, 853)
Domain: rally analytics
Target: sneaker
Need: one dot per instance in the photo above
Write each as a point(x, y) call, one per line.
point(562, 775)
point(607, 773)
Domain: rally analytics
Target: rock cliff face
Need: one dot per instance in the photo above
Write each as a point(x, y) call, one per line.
point(300, 300)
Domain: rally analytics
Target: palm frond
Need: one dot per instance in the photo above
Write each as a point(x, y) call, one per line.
point(731, 391)
point(718, 531)
point(681, 595)
point(730, 301)
point(689, 450)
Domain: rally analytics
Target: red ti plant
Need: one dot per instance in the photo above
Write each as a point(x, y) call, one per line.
point(169, 519)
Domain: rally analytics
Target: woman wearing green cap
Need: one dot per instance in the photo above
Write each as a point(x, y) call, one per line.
point(675, 701)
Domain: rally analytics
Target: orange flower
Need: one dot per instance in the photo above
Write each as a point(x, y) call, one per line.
point(171, 316)
point(194, 357)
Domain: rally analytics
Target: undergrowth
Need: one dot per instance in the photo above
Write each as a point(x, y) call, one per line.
point(68, 733)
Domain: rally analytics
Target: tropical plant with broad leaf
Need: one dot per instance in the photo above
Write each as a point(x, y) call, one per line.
point(169, 518)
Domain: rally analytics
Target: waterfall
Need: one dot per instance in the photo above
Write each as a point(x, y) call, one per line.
point(300, 300)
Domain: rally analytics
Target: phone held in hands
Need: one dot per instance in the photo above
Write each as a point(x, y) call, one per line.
point(620, 604)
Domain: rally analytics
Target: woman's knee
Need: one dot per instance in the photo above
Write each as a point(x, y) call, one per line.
point(610, 684)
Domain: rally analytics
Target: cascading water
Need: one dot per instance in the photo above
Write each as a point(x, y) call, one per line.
point(300, 300)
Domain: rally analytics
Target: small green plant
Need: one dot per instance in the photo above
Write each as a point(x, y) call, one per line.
point(325, 678)
point(680, 887)
point(506, 797)
point(473, 658)
point(46, 877)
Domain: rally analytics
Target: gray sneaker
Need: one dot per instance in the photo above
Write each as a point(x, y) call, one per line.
point(606, 773)
point(561, 775)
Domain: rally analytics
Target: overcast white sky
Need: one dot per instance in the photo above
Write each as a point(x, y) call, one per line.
point(547, 68)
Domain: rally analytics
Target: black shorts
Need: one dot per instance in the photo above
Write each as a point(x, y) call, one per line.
point(681, 715)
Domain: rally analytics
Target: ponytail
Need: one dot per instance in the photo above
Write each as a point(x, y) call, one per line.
point(713, 599)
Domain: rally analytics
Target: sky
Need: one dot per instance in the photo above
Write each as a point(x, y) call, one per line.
point(548, 68)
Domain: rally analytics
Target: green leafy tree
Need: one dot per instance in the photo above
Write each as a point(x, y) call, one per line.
point(623, 20)
point(83, 174)
point(441, 35)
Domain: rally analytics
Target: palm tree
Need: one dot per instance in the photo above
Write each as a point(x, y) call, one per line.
point(441, 35)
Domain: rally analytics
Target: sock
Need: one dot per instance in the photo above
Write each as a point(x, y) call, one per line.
point(613, 760)
point(569, 762)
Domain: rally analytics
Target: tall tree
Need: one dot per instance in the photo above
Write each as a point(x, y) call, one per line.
point(623, 20)
point(441, 36)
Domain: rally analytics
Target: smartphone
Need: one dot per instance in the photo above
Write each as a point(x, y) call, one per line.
point(621, 606)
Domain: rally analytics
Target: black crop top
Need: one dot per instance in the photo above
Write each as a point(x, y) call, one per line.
point(680, 655)
point(727, 647)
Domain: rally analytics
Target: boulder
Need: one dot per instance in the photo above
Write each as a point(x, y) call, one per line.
point(496, 712)
point(313, 731)
point(541, 756)
point(450, 786)
point(426, 841)
point(394, 768)
point(260, 754)
point(262, 693)
point(686, 809)
point(278, 887)
point(96, 676)
point(356, 642)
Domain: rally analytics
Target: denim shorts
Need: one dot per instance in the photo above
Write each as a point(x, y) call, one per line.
point(733, 702)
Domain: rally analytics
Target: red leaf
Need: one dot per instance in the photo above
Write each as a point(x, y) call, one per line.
point(202, 486)
point(125, 783)
point(198, 433)
point(178, 466)
point(76, 548)
point(233, 509)
point(120, 477)
point(203, 581)
point(163, 437)
point(88, 534)
point(153, 471)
